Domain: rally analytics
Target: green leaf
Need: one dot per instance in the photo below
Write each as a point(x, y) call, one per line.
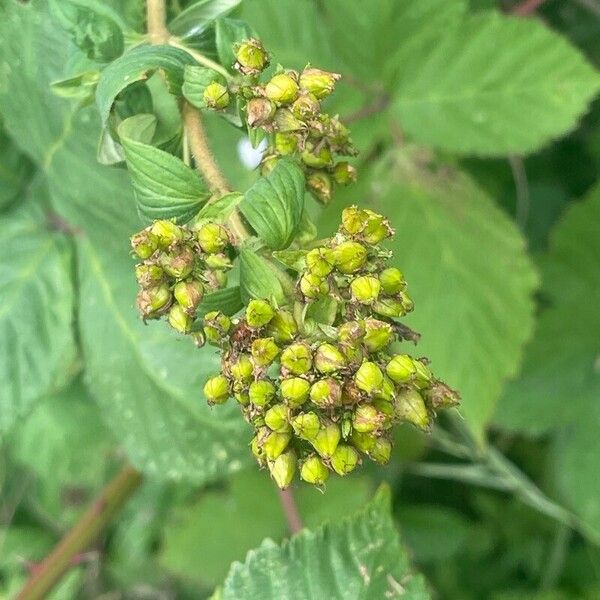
point(37, 344)
point(274, 204)
point(195, 81)
point(258, 277)
point(358, 557)
point(227, 300)
point(15, 170)
point(164, 186)
point(81, 86)
point(228, 32)
point(220, 209)
point(199, 15)
point(493, 85)
point(137, 65)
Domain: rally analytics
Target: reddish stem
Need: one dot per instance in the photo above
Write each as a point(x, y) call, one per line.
point(527, 7)
point(290, 510)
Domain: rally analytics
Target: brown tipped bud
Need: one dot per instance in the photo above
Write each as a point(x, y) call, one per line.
point(178, 262)
point(344, 173)
point(264, 351)
point(251, 57)
point(306, 106)
point(276, 418)
point(326, 393)
point(363, 441)
point(351, 332)
point(166, 233)
point(401, 368)
point(366, 418)
point(212, 237)
point(260, 112)
point(284, 120)
point(153, 301)
point(392, 280)
point(189, 295)
point(354, 220)
point(389, 307)
point(282, 88)
point(317, 82)
point(344, 460)
point(440, 396)
point(378, 335)
point(328, 359)
point(149, 275)
point(320, 186)
point(144, 244)
point(377, 228)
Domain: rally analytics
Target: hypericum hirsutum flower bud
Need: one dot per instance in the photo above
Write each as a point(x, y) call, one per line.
point(297, 359)
point(392, 280)
point(218, 261)
point(242, 369)
point(354, 355)
point(295, 390)
point(366, 418)
point(282, 327)
point(256, 445)
point(144, 244)
point(344, 459)
point(212, 237)
point(389, 307)
point(261, 392)
point(153, 301)
point(251, 57)
point(326, 393)
point(189, 294)
point(179, 319)
point(285, 121)
point(276, 418)
point(313, 470)
point(378, 335)
point(422, 374)
point(351, 332)
point(216, 390)
point(166, 233)
point(350, 257)
point(286, 143)
point(283, 469)
point(381, 451)
point(376, 229)
point(401, 368)
point(306, 426)
point(319, 261)
point(365, 289)
point(327, 440)
point(306, 106)
point(260, 112)
point(369, 378)
point(317, 157)
point(242, 397)
point(354, 220)
point(406, 301)
point(282, 88)
point(328, 359)
point(363, 441)
point(216, 278)
point(148, 275)
point(344, 173)
point(259, 313)
point(178, 262)
point(312, 286)
point(409, 406)
point(387, 391)
point(216, 326)
point(264, 351)
point(320, 186)
point(317, 82)
point(275, 444)
point(439, 396)
point(216, 96)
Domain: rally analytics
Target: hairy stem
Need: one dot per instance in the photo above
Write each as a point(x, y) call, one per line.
point(290, 510)
point(49, 572)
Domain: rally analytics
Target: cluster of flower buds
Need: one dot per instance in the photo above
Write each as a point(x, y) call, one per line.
point(287, 105)
point(322, 397)
point(178, 266)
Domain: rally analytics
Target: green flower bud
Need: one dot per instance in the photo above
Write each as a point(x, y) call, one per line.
point(261, 392)
point(306, 426)
point(259, 313)
point(327, 440)
point(387, 391)
point(218, 261)
point(282, 327)
point(282, 88)
point(216, 279)
point(392, 280)
point(144, 244)
point(423, 375)
point(251, 57)
point(376, 229)
point(320, 186)
point(401, 368)
point(260, 112)
point(153, 301)
point(268, 164)
point(344, 459)
point(328, 359)
point(317, 82)
point(275, 444)
point(363, 441)
point(242, 397)
point(381, 451)
point(320, 261)
point(386, 409)
point(242, 369)
point(166, 233)
point(283, 469)
point(216, 326)
point(366, 418)
point(285, 121)
point(354, 355)
point(344, 173)
point(216, 96)
point(409, 406)
point(312, 286)
point(149, 275)
point(407, 303)
point(326, 393)
point(389, 307)
point(285, 143)
point(189, 294)
point(378, 335)
point(317, 158)
point(276, 418)
point(216, 390)
point(369, 378)
point(179, 319)
point(350, 257)
point(264, 351)
point(212, 237)
point(365, 289)
point(297, 359)
point(351, 332)
point(306, 106)
point(313, 470)
point(294, 391)
point(354, 220)
point(179, 262)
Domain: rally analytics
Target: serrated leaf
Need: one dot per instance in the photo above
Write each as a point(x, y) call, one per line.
point(274, 204)
point(199, 15)
point(493, 85)
point(258, 278)
point(220, 209)
point(195, 80)
point(227, 33)
point(228, 301)
point(137, 65)
point(164, 186)
point(359, 557)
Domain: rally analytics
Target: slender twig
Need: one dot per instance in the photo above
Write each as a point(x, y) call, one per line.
point(527, 7)
point(290, 510)
point(49, 572)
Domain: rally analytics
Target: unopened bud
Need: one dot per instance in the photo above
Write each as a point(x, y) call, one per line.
point(401, 368)
point(166, 233)
point(242, 369)
point(328, 359)
point(242, 397)
point(363, 441)
point(260, 393)
point(148, 275)
point(387, 391)
point(260, 112)
point(312, 286)
point(440, 396)
point(295, 390)
point(212, 238)
point(366, 418)
point(392, 280)
point(351, 332)
point(314, 471)
point(285, 121)
point(297, 359)
point(216, 390)
point(218, 261)
point(354, 355)
point(264, 351)
point(144, 244)
point(251, 57)
point(285, 143)
point(350, 257)
point(216, 326)
point(354, 220)
point(276, 418)
point(320, 186)
point(275, 444)
point(317, 158)
point(344, 173)
point(326, 393)
point(423, 375)
point(344, 459)
point(365, 289)
point(376, 229)
point(317, 82)
point(189, 294)
point(216, 96)
point(327, 440)
point(282, 327)
point(406, 301)
point(306, 426)
point(320, 261)
point(178, 262)
point(409, 406)
point(179, 319)
point(259, 313)
point(389, 307)
point(283, 469)
point(378, 335)
point(152, 301)
point(306, 106)
point(369, 378)
point(282, 88)
point(381, 451)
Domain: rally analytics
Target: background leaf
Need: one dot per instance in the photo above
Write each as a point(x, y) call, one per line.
point(199, 14)
point(195, 81)
point(257, 277)
point(227, 33)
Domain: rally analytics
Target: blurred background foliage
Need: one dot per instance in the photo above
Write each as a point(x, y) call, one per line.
point(497, 208)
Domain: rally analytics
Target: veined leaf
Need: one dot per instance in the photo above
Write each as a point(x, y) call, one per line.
point(227, 33)
point(196, 79)
point(15, 170)
point(199, 15)
point(274, 204)
point(228, 301)
point(220, 209)
point(258, 278)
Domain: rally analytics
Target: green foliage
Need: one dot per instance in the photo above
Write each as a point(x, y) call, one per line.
point(258, 277)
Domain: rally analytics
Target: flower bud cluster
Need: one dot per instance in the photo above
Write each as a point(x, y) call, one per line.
point(321, 399)
point(178, 266)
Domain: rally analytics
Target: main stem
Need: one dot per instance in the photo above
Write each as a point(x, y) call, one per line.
point(290, 509)
point(49, 572)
